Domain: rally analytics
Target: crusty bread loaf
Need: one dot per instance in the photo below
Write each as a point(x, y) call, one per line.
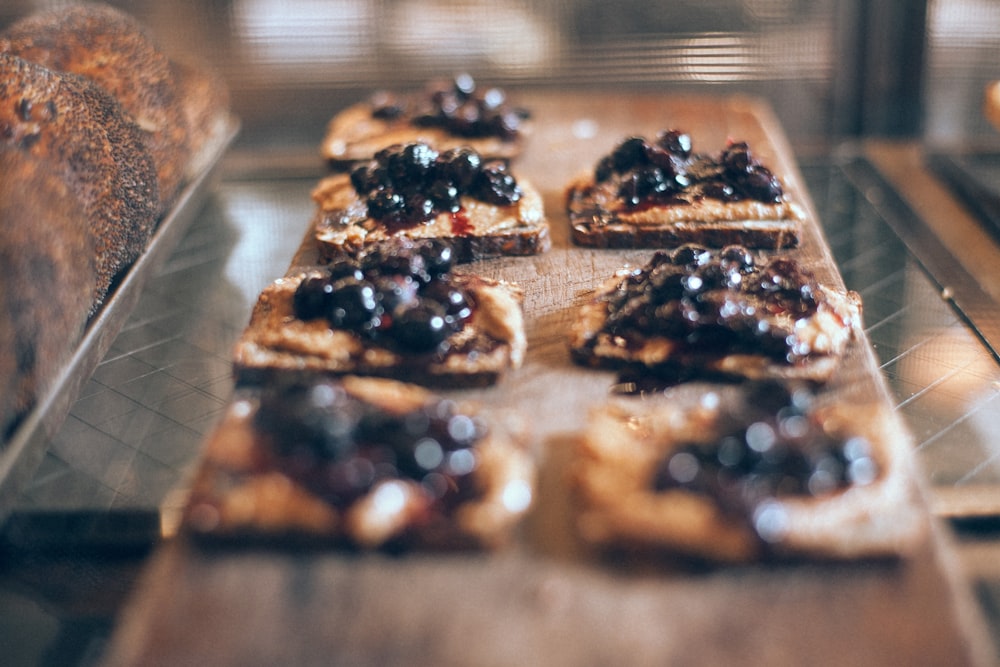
point(113, 50)
point(83, 135)
point(46, 281)
point(205, 100)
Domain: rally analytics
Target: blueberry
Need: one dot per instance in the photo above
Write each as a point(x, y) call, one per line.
point(690, 254)
point(311, 297)
point(496, 185)
point(353, 305)
point(629, 153)
point(439, 257)
point(445, 196)
point(421, 328)
point(460, 166)
point(676, 142)
point(385, 204)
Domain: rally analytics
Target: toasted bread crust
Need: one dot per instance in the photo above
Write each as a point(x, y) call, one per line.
point(342, 227)
point(598, 219)
point(276, 343)
point(237, 493)
point(828, 333)
point(354, 136)
point(618, 506)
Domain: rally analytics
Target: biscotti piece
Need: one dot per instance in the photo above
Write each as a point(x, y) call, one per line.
point(747, 473)
point(413, 191)
point(445, 115)
point(398, 314)
point(659, 194)
point(112, 49)
point(361, 462)
point(694, 312)
point(46, 281)
point(85, 137)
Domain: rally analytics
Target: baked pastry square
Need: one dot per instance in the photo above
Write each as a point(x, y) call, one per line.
point(657, 193)
point(366, 463)
point(695, 312)
point(398, 313)
point(413, 191)
point(747, 473)
point(444, 114)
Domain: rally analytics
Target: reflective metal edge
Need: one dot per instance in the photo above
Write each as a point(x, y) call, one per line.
point(23, 453)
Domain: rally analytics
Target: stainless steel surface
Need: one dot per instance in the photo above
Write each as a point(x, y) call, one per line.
point(22, 453)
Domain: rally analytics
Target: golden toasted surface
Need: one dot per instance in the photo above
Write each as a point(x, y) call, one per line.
point(624, 444)
point(479, 230)
point(241, 492)
point(354, 135)
point(490, 344)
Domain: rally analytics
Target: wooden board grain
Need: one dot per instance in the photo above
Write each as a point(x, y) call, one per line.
point(544, 601)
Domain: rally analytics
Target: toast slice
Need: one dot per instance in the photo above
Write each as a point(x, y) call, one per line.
point(657, 193)
point(412, 191)
point(360, 462)
point(694, 312)
point(747, 473)
point(391, 315)
point(444, 114)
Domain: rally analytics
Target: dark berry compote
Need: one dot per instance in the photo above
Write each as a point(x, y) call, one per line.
point(409, 184)
point(664, 170)
point(782, 452)
point(341, 447)
point(459, 106)
point(400, 296)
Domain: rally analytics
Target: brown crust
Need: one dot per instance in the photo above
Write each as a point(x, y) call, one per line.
point(839, 315)
point(354, 136)
point(342, 228)
point(83, 134)
point(237, 494)
point(46, 284)
point(276, 344)
point(598, 221)
point(618, 508)
point(113, 50)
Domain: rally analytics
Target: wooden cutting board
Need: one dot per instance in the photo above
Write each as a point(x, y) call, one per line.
point(543, 601)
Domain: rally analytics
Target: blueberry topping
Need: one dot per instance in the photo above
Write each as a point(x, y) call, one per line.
point(402, 297)
point(341, 447)
point(654, 171)
point(412, 183)
point(715, 302)
point(787, 453)
point(460, 107)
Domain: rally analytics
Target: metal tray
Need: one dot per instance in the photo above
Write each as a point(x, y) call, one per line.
point(22, 454)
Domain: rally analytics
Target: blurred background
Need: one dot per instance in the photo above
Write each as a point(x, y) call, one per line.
point(831, 68)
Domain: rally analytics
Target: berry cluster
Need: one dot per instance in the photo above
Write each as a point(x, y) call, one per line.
point(340, 447)
point(407, 184)
point(715, 301)
point(401, 297)
point(459, 107)
point(650, 171)
point(786, 453)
